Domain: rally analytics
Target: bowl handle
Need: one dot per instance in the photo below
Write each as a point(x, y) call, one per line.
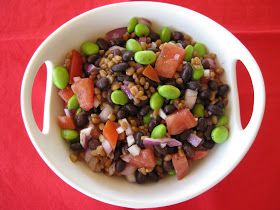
point(33, 66)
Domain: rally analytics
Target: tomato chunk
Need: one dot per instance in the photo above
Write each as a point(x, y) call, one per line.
point(85, 93)
point(76, 68)
point(169, 60)
point(180, 164)
point(151, 73)
point(145, 159)
point(180, 121)
point(66, 93)
point(199, 154)
point(66, 122)
point(110, 133)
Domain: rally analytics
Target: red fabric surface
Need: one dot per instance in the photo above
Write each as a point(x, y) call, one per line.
point(25, 180)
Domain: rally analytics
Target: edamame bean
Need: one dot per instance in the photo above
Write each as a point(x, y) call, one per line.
point(69, 134)
point(60, 77)
point(158, 132)
point(73, 103)
point(198, 110)
point(188, 52)
point(223, 120)
point(133, 45)
point(169, 91)
point(119, 97)
point(147, 119)
point(219, 134)
point(89, 48)
point(156, 101)
point(165, 34)
point(131, 24)
point(145, 57)
point(141, 30)
point(197, 73)
point(200, 49)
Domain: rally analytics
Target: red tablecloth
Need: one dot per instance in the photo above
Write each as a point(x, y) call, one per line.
point(25, 180)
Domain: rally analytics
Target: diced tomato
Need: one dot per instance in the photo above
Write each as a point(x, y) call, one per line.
point(199, 154)
point(169, 60)
point(66, 122)
point(85, 93)
point(76, 68)
point(180, 121)
point(110, 133)
point(180, 164)
point(151, 73)
point(145, 159)
point(66, 93)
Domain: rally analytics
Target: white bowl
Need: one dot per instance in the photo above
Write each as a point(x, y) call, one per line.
point(92, 24)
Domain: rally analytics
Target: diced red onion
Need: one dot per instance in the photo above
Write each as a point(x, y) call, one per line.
point(130, 140)
point(127, 91)
point(107, 146)
point(153, 45)
point(162, 145)
point(120, 130)
point(162, 114)
point(69, 113)
point(76, 79)
point(190, 98)
point(134, 150)
point(105, 113)
point(90, 68)
point(88, 155)
point(206, 73)
point(116, 33)
point(145, 21)
point(128, 131)
point(169, 141)
point(116, 47)
point(142, 39)
point(128, 170)
point(194, 140)
point(85, 136)
point(96, 102)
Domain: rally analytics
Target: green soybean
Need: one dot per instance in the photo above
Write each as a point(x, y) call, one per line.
point(198, 110)
point(119, 97)
point(219, 134)
point(60, 77)
point(156, 101)
point(223, 120)
point(145, 57)
point(133, 45)
point(147, 119)
point(197, 73)
point(172, 173)
point(89, 48)
point(73, 103)
point(158, 132)
point(188, 52)
point(165, 34)
point(141, 30)
point(78, 111)
point(69, 134)
point(169, 91)
point(131, 24)
point(200, 49)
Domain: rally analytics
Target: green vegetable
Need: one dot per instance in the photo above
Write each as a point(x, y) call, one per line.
point(133, 45)
point(197, 73)
point(159, 162)
point(198, 110)
point(60, 77)
point(147, 119)
point(79, 110)
point(200, 49)
point(119, 97)
point(188, 52)
point(165, 34)
point(172, 173)
point(145, 57)
point(89, 48)
point(223, 120)
point(158, 132)
point(141, 30)
point(156, 101)
point(69, 134)
point(131, 24)
point(73, 103)
point(219, 134)
point(169, 91)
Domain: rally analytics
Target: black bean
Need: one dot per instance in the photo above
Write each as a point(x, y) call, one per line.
point(122, 113)
point(132, 110)
point(120, 67)
point(152, 83)
point(103, 83)
point(160, 152)
point(183, 136)
point(189, 152)
point(118, 150)
point(183, 43)
point(81, 119)
point(140, 178)
point(204, 94)
point(201, 124)
point(117, 52)
point(122, 78)
point(109, 97)
point(103, 44)
point(97, 62)
point(207, 132)
point(152, 176)
point(220, 104)
point(137, 136)
point(93, 144)
point(120, 165)
point(194, 85)
point(142, 103)
point(177, 35)
point(205, 63)
point(144, 110)
point(118, 41)
point(215, 110)
point(171, 150)
point(76, 147)
point(186, 72)
point(127, 56)
point(168, 166)
point(223, 90)
point(154, 36)
point(92, 58)
point(169, 109)
point(208, 144)
point(212, 84)
point(153, 123)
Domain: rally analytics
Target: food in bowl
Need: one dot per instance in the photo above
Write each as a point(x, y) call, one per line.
point(142, 104)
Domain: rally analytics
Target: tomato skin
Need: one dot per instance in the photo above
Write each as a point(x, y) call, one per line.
point(66, 122)
point(151, 73)
point(76, 67)
point(169, 60)
point(84, 90)
point(180, 121)
point(181, 165)
point(110, 133)
point(145, 159)
point(66, 93)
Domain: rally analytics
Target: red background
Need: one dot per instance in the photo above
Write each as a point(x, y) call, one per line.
point(25, 180)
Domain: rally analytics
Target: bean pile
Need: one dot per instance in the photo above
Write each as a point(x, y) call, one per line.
point(142, 104)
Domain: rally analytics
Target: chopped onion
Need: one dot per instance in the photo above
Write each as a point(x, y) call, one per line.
point(69, 113)
point(130, 178)
point(162, 145)
point(120, 130)
point(134, 150)
point(190, 98)
point(162, 114)
point(116, 33)
point(128, 170)
point(106, 146)
point(145, 21)
point(128, 131)
point(127, 91)
point(76, 79)
point(116, 47)
point(194, 140)
point(130, 140)
point(169, 141)
point(90, 68)
point(206, 73)
point(105, 113)
point(153, 45)
point(96, 102)
point(85, 136)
